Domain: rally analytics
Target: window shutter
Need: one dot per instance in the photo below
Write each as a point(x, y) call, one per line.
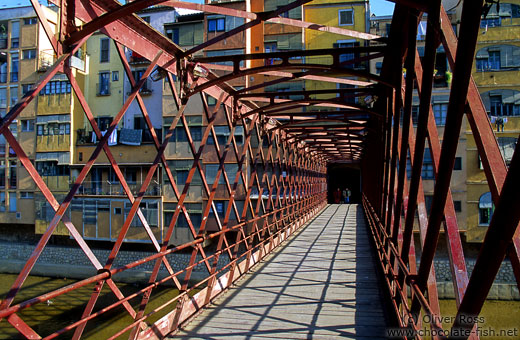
point(508, 96)
point(515, 56)
point(198, 33)
point(283, 42)
point(482, 53)
point(506, 54)
point(295, 42)
point(186, 35)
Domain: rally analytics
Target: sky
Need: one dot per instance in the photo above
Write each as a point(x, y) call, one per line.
point(377, 7)
point(381, 7)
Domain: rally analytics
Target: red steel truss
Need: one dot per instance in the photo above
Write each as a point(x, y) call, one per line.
point(294, 140)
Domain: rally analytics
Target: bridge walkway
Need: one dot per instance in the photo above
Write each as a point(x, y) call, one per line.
point(320, 284)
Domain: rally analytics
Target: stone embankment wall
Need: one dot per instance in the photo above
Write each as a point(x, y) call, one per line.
point(61, 261)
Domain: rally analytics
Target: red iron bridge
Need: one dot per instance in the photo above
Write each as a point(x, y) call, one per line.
point(298, 267)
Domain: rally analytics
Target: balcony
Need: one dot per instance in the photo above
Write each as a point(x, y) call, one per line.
point(116, 189)
point(103, 89)
point(137, 59)
point(145, 90)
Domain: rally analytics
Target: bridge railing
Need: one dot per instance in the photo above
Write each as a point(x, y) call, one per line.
point(264, 158)
point(395, 203)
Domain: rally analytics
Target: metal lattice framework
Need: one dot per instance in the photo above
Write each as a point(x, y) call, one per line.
point(295, 145)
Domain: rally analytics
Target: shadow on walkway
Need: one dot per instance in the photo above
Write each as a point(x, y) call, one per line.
point(321, 284)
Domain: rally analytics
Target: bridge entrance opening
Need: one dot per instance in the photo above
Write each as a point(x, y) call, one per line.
point(343, 176)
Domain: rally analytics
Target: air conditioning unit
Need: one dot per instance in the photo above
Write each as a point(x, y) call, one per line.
point(18, 215)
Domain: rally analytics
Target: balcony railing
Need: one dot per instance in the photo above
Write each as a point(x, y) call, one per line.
point(146, 89)
point(137, 59)
point(116, 189)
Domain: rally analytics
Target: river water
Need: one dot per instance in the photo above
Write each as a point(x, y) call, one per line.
point(47, 317)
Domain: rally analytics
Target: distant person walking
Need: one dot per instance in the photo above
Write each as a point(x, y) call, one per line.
point(346, 195)
point(337, 196)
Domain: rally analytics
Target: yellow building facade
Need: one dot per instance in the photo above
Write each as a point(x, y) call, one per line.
point(352, 15)
point(23, 50)
point(497, 72)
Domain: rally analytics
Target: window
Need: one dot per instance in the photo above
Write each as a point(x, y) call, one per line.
point(421, 31)
point(223, 133)
point(216, 25)
point(491, 60)
point(212, 169)
point(427, 168)
point(507, 147)
point(220, 206)
point(51, 168)
point(104, 84)
point(131, 175)
point(194, 211)
point(347, 56)
point(415, 114)
point(346, 17)
point(149, 210)
point(26, 194)
point(283, 14)
point(211, 100)
point(26, 88)
point(12, 201)
point(347, 97)
point(13, 95)
point(30, 21)
point(115, 75)
point(173, 34)
point(118, 211)
point(27, 125)
point(14, 67)
point(490, 22)
point(3, 71)
point(15, 34)
point(458, 163)
point(2, 201)
point(179, 134)
point(56, 87)
point(379, 67)
point(29, 54)
point(3, 98)
point(495, 105)
point(105, 50)
point(457, 205)
point(494, 60)
point(485, 208)
point(440, 111)
point(428, 200)
point(502, 102)
point(12, 175)
point(146, 88)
